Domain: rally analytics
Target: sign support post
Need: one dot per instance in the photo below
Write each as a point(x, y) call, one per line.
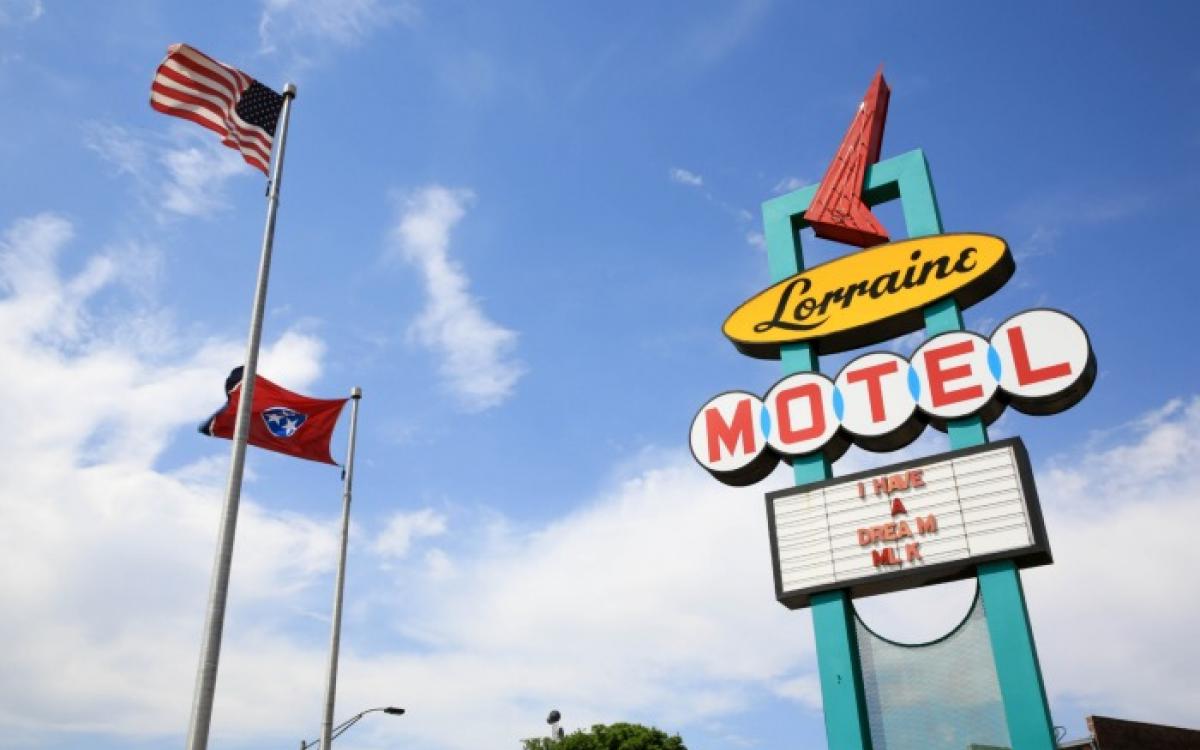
point(1025, 707)
point(847, 727)
point(842, 694)
point(1013, 650)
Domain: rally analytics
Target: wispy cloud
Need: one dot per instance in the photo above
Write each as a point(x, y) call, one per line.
point(477, 354)
point(125, 151)
point(17, 12)
point(685, 177)
point(788, 184)
point(309, 29)
point(396, 538)
point(196, 177)
point(183, 173)
point(1042, 240)
point(805, 690)
point(471, 76)
point(1046, 217)
point(712, 37)
point(744, 218)
point(601, 64)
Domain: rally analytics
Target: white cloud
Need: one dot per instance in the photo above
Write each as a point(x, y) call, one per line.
point(599, 609)
point(741, 216)
point(1042, 240)
point(110, 555)
point(438, 565)
point(119, 147)
point(402, 528)
point(471, 76)
point(652, 601)
point(196, 177)
point(684, 177)
point(477, 353)
point(714, 36)
point(1046, 217)
point(805, 690)
point(1114, 616)
point(1121, 520)
point(14, 12)
point(182, 174)
point(309, 27)
point(788, 184)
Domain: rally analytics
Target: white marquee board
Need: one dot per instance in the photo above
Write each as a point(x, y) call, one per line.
point(959, 509)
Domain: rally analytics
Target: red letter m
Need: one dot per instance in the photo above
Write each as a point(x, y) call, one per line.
point(740, 429)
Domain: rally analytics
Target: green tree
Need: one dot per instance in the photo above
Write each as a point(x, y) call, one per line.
point(620, 736)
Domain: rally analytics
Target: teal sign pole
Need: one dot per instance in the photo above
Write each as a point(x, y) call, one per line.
point(905, 177)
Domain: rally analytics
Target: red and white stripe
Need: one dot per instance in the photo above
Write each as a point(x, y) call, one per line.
point(192, 85)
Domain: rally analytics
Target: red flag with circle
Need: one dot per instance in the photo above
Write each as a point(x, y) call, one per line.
point(280, 420)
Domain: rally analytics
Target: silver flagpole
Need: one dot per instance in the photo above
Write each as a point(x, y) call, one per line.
point(210, 649)
point(335, 635)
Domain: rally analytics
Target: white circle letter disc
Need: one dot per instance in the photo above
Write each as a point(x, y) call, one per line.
point(802, 418)
point(875, 395)
point(1046, 362)
point(727, 435)
point(954, 375)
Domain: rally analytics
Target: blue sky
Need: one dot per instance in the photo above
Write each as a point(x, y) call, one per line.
point(519, 227)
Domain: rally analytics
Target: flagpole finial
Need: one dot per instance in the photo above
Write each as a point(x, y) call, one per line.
point(289, 89)
point(356, 392)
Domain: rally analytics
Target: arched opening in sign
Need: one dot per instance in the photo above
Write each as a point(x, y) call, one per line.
point(917, 616)
point(950, 681)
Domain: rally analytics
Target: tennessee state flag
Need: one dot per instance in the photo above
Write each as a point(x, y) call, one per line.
point(280, 420)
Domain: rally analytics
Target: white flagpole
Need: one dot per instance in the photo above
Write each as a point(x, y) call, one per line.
point(335, 634)
point(210, 649)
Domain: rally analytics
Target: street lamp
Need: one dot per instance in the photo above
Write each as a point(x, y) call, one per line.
point(337, 731)
point(556, 732)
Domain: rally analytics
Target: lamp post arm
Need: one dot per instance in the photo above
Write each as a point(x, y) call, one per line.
point(337, 731)
point(340, 728)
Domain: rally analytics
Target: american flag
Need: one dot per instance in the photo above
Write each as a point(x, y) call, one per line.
point(192, 85)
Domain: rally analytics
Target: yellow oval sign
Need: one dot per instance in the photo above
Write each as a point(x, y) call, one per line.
point(870, 296)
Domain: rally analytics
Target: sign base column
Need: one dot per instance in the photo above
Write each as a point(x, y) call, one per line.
point(1025, 707)
point(846, 723)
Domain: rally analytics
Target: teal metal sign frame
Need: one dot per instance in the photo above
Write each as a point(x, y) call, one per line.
point(907, 178)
